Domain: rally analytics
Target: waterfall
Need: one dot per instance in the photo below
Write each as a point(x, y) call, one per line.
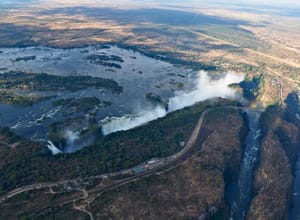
point(53, 148)
point(205, 88)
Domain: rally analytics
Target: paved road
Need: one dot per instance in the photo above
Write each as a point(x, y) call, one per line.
point(34, 187)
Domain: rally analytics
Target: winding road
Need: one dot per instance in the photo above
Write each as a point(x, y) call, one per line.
point(171, 162)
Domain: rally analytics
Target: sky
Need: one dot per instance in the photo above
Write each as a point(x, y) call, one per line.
point(277, 4)
point(285, 3)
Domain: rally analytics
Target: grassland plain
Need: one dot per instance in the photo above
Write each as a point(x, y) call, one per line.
point(198, 36)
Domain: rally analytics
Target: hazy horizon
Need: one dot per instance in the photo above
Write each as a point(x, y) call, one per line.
point(288, 3)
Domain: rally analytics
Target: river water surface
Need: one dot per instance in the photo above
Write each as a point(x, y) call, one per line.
point(137, 74)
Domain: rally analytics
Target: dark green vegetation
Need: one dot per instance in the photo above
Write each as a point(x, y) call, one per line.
point(9, 97)
point(12, 81)
point(193, 188)
point(156, 99)
point(45, 82)
point(8, 137)
point(105, 60)
point(167, 57)
point(25, 58)
point(251, 87)
point(84, 104)
point(31, 162)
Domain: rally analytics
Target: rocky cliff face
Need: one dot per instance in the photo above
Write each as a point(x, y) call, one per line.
point(273, 177)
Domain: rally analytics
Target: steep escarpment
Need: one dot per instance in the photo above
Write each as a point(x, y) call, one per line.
point(192, 190)
point(25, 162)
point(273, 181)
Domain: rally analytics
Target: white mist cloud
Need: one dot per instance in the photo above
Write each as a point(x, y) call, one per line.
point(72, 139)
point(71, 136)
point(205, 88)
point(126, 122)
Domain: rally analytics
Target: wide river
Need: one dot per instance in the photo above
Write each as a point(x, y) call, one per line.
point(138, 75)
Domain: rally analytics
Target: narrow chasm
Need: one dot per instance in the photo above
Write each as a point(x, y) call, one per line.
point(295, 210)
point(239, 194)
point(292, 114)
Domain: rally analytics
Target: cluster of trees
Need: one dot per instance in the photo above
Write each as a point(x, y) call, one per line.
point(21, 80)
point(84, 104)
point(169, 57)
point(251, 87)
point(160, 138)
point(104, 60)
point(10, 98)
